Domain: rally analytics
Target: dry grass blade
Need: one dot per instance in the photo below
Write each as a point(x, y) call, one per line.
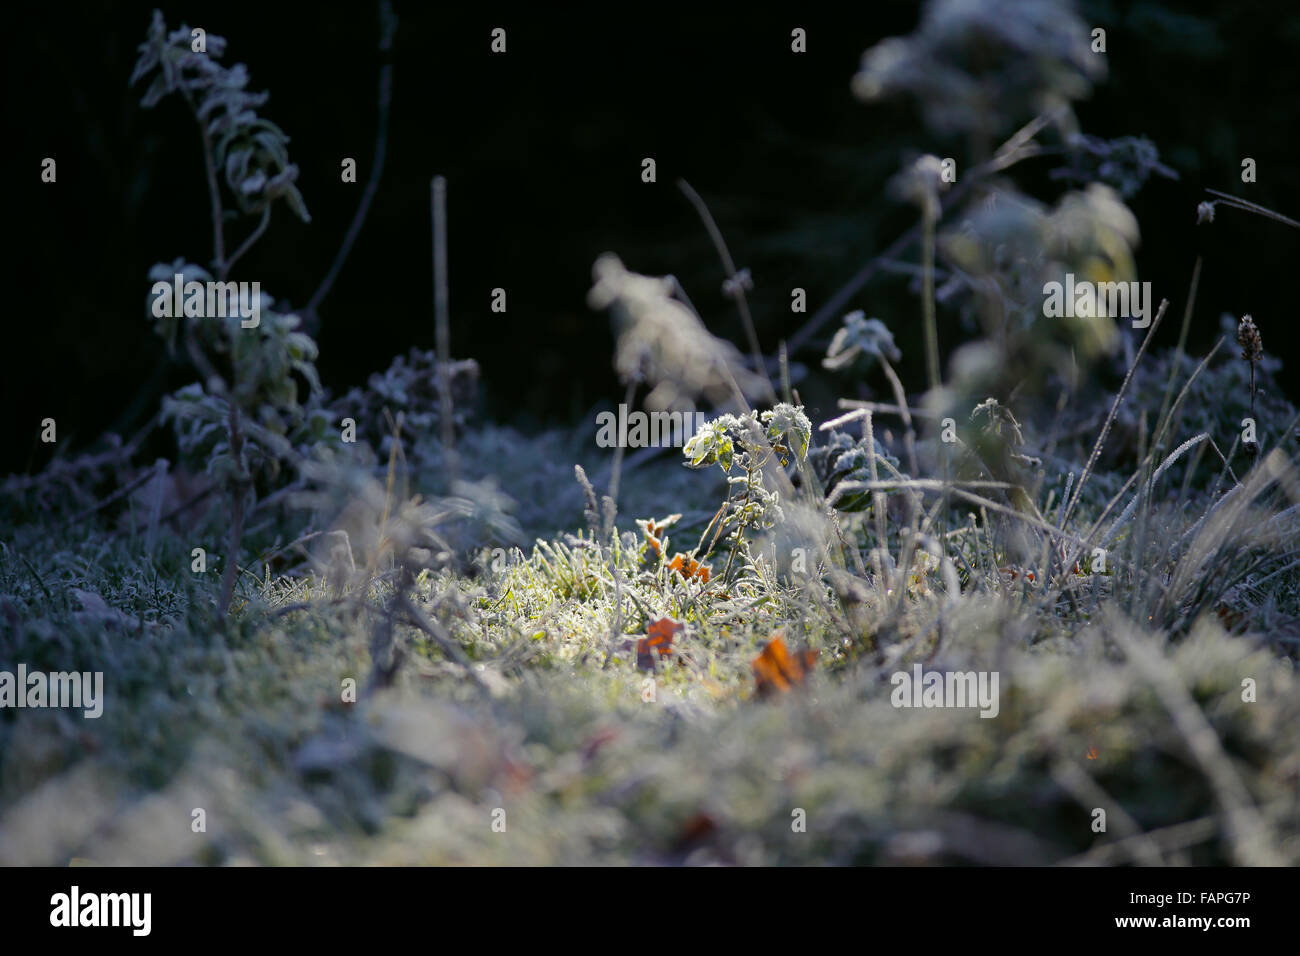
point(1114, 410)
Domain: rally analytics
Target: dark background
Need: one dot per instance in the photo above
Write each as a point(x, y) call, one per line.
point(542, 150)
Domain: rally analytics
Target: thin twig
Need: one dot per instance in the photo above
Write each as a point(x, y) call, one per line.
point(929, 216)
point(734, 281)
point(252, 237)
point(387, 27)
point(909, 435)
point(1166, 839)
point(882, 408)
point(1079, 784)
point(1246, 205)
point(443, 324)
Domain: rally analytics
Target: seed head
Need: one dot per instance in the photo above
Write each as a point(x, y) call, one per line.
point(1252, 349)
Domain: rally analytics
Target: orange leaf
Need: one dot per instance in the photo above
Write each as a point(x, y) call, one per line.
point(689, 568)
point(776, 669)
point(659, 637)
point(654, 531)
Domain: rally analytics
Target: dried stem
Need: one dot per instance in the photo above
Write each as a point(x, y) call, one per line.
point(387, 27)
point(443, 323)
point(733, 278)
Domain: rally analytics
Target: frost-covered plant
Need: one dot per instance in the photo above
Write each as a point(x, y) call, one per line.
point(249, 384)
point(381, 533)
point(860, 341)
point(742, 446)
point(1252, 350)
point(843, 460)
point(409, 386)
point(1124, 163)
point(1011, 247)
point(1216, 396)
point(979, 70)
point(1015, 245)
point(661, 342)
point(264, 364)
point(983, 68)
point(249, 150)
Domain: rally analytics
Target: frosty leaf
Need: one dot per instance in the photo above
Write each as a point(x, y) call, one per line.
point(788, 428)
point(157, 90)
point(860, 337)
point(253, 184)
point(995, 415)
point(714, 443)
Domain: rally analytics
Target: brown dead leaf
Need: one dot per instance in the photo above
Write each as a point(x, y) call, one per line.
point(659, 638)
point(777, 670)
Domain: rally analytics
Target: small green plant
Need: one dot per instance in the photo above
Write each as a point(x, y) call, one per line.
point(742, 448)
point(238, 416)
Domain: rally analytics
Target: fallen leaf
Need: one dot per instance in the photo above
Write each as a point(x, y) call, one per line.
point(654, 531)
point(696, 829)
point(689, 568)
point(776, 669)
point(659, 637)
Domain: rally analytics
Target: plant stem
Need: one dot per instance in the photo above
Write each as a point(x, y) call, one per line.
point(929, 214)
point(236, 510)
point(387, 26)
point(247, 243)
point(760, 366)
point(877, 503)
point(214, 191)
point(1252, 388)
point(740, 532)
point(442, 323)
point(617, 469)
